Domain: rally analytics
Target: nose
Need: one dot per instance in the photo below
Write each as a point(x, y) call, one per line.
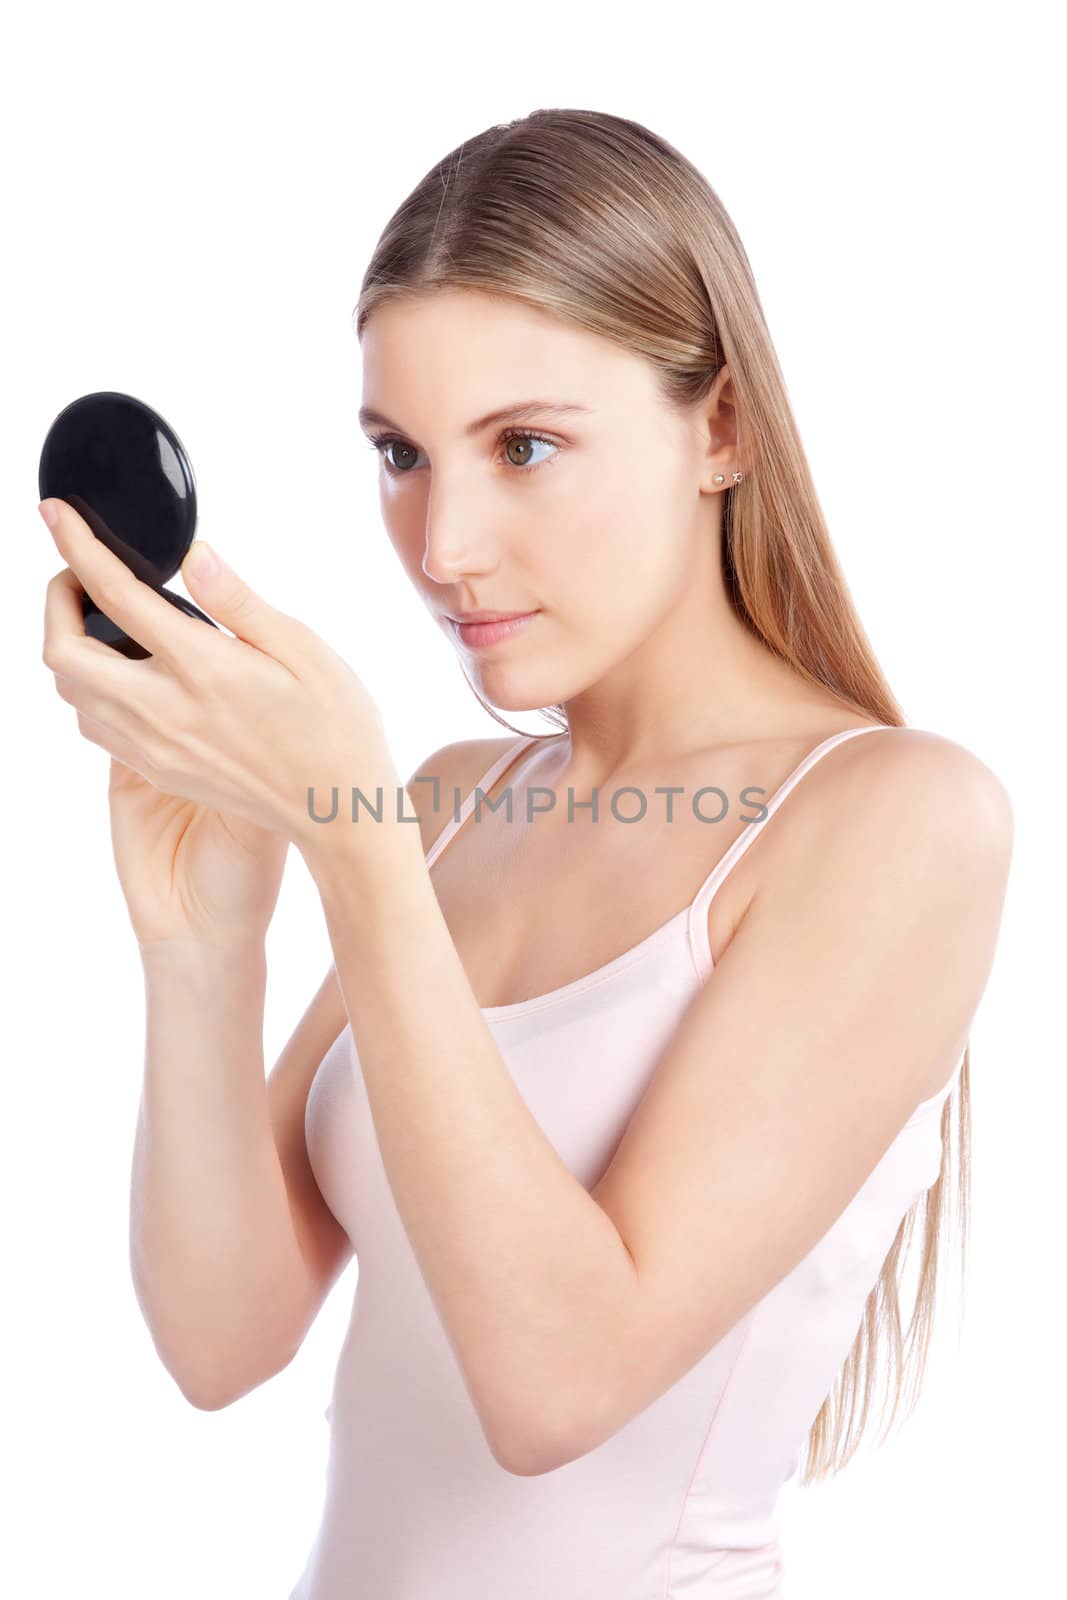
point(457, 541)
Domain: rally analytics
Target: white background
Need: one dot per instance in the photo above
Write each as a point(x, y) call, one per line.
point(190, 196)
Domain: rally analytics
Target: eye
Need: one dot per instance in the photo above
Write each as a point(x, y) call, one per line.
point(384, 442)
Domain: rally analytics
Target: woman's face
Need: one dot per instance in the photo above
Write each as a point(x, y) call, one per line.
point(598, 524)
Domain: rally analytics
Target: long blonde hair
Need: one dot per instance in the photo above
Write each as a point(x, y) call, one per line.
point(599, 221)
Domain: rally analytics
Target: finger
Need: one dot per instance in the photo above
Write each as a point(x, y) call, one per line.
point(214, 585)
point(90, 674)
point(87, 704)
point(161, 628)
point(63, 618)
point(67, 651)
point(135, 719)
point(120, 749)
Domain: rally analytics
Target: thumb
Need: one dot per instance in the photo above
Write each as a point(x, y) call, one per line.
point(230, 600)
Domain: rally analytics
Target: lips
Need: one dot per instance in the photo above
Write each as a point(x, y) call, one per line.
point(487, 616)
point(477, 635)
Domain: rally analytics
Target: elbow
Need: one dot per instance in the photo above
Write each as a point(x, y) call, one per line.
point(526, 1462)
point(209, 1391)
point(571, 1404)
point(213, 1394)
point(529, 1452)
point(534, 1460)
point(200, 1395)
point(205, 1398)
point(206, 1402)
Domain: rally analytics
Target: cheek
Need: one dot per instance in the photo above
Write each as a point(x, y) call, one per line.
point(615, 556)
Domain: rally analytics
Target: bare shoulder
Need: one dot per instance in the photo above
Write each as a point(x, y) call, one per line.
point(450, 767)
point(902, 796)
point(916, 775)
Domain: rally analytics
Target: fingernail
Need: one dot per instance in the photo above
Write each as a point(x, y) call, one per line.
point(49, 511)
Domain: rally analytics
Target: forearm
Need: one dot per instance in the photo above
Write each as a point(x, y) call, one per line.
point(528, 1274)
point(214, 1257)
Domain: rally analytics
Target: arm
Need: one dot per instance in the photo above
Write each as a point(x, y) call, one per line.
point(569, 1311)
point(233, 1249)
point(510, 1244)
point(214, 1258)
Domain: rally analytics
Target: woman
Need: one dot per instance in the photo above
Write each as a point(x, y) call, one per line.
point(626, 1235)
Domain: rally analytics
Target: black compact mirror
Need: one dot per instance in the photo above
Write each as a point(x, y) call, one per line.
point(126, 472)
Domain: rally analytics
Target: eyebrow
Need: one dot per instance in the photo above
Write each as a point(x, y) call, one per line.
point(521, 411)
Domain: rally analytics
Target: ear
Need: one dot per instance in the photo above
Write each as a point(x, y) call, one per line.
point(720, 424)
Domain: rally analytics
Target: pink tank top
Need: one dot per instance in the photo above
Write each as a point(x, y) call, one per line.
point(680, 1503)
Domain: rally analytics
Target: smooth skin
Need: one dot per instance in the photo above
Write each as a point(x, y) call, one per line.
point(615, 540)
point(611, 531)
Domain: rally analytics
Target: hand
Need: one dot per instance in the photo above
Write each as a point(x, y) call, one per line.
point(189, 875)
point(258, 727)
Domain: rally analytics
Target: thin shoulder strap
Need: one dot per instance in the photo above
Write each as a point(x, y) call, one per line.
point(698, 910)
point(485, 783)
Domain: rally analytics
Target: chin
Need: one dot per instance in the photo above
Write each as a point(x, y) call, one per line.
point(515, 699)
point(510, 689)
